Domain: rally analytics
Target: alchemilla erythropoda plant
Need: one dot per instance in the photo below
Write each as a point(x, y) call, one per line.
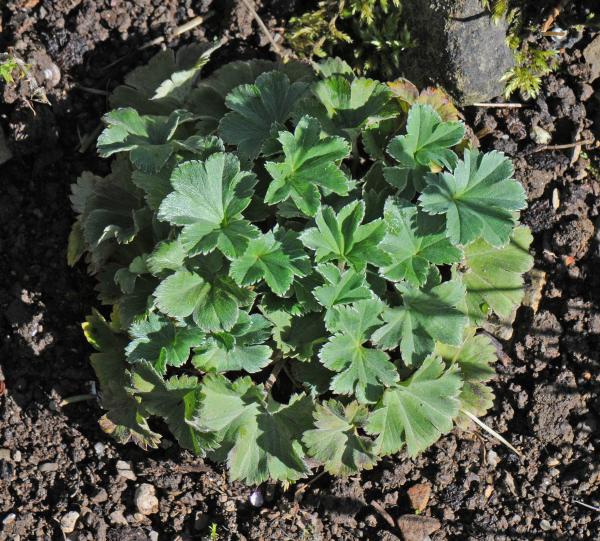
point(298, 262)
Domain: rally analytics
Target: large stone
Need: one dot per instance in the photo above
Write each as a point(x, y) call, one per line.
point(459, 48)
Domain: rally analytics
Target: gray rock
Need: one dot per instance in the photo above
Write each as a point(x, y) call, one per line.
point(117, 518)
point(48, 467)
point(592, 56)
point(459, 48)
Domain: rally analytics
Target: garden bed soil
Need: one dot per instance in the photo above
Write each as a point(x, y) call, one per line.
point(55, 459)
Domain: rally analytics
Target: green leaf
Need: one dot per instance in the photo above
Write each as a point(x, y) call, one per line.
point(243, 348)
point(341, 287)
point(309, 163)
point(177, 401)
point(494, 276)
point(428, 140)
point(146, 138)
point(165, 82)
point(335, 442)
point(411, 246)
point(256, 108)
point(473, 357)
point(168, 255)
point(264, 259)
point(417, 411)
point(361, 370)
point(207, 100)
point(297, 336)
point(427, 314)
point(125, 419)
point(259, 437)
point(478, 198)
point(344, 106)
point(208, 201)
point(340, 236)
point(213, 305)
point(158, 341)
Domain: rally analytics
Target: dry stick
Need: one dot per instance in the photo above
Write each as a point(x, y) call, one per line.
point(379, 508)
point(499, 105)
point(181, 29)
point(304, 486)
point(264, 28)
point(491, 431)
point(273, 377)
point(585, 142)
point(185, 27)
point(553, 15)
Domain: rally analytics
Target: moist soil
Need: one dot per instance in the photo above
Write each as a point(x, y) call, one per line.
point(54, 459)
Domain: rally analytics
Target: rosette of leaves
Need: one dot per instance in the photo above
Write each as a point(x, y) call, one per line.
point(297, 272)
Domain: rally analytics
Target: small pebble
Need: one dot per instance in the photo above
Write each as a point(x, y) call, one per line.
point(100, 496)
point(545, 525)
point(256, 498)
point(117, 518)
point(145, 499)
point(9, 519)
point(125, 471)
point(68, 521)
point(47, 467)
point(4, 454)
point(419, 496)
point(99, 448)
point(17, 457)
point(492, 458)
point(153, 535)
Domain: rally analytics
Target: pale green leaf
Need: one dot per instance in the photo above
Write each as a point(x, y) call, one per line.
point(362, 371)
point(158, 341)
point(259, 437)
point(309, 162)
point(341, 287)
point(478, 198)
point(264, 259)
point(208, 201)
point(494, 276)
point(342, 238)
point(412, 247)
point(417, 411)
point(243, 348)
point(426, 315)
point(177, 402)
point(213, 305)
point(335, 442)
point(256, 109)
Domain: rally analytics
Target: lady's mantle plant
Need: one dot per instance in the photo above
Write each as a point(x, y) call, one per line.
point(297, 266)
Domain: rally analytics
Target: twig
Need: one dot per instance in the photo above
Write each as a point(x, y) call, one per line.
point(553, 15)
point(379, 508)
point(499, 105)
point(89, 138)
point(185, 27)
point(264, 28)
point(491, 431)
point(301, 488)
point(181, 29)
point(273, 377)
point(584, 142)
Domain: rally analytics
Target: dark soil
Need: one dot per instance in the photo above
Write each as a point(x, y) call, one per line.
point(55, 459)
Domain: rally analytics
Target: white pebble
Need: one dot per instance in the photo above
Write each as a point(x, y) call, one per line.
point(256, 498)
point(68, 521)
point(145, 499)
